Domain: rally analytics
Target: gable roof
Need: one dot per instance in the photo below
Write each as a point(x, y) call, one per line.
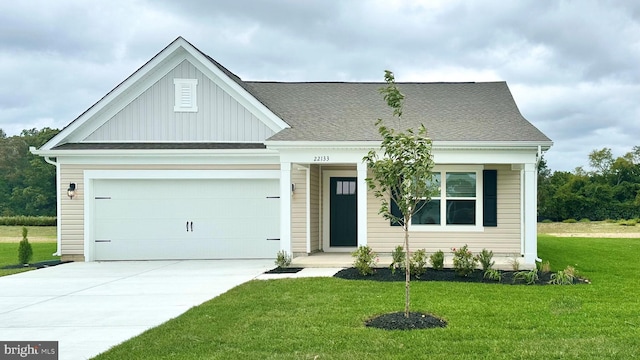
point(345, 111)
point(338, 111)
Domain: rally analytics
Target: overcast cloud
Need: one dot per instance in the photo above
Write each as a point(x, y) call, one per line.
point(573, 66)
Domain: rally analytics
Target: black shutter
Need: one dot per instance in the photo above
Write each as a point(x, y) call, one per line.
point(395, 211)
point(490, 200)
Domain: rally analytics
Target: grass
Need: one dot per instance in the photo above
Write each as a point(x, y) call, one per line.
point(322, 318)
point(9, 255)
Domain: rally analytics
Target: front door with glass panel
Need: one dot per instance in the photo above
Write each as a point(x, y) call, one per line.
point(343, 212)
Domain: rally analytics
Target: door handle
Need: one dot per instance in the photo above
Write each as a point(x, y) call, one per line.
point(187, 226)
point(191, 223)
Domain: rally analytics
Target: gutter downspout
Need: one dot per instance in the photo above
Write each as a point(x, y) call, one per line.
point(58, 204)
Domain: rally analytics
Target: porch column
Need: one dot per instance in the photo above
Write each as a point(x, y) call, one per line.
point(285, 207)
point(362, 203)
point(530, 215)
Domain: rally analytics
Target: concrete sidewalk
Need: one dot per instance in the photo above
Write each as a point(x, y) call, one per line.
point(90, 307)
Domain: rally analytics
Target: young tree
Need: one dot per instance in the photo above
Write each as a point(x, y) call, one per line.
point(401, 171)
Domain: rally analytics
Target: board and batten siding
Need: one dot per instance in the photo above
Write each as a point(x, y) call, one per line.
point(502, 240)
point(72, 210)
point(151, 116)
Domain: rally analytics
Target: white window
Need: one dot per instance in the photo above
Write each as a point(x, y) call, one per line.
point(186, 95)
point(456, 203)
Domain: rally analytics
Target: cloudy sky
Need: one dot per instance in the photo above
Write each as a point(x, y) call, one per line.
point(573, 66)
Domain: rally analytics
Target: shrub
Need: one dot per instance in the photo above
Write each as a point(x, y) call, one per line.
point(609, 221)
point(283, 259)
point(365, 260)
point(463, 261)
point(547, 221)
point(569, 221)
point(419, 262)
point(484, 258)
point(25, 252)
point(563, 277)
point(28, 221)
point(585, 220)
point(529, 277)
point(437, 260)
point(545, 267)
point(493, 274)
point(397, 257)
point(631, 222)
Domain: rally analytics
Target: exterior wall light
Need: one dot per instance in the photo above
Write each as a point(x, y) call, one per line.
point(71, 191)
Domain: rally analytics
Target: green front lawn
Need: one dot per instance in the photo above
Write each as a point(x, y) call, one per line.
point(323, 318)
point(9, 255)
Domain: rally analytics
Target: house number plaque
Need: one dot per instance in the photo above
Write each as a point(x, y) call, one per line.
point(321, 158)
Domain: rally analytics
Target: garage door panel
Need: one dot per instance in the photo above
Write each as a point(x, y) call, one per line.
point(146, 219)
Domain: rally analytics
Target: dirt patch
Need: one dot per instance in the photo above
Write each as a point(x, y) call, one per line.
point(32, 239)
point(620, 235)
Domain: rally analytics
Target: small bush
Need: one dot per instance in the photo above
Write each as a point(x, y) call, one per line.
point(585, 220)
point(437, 260)
point(545, 267)
point(397, 257)
point(547, 221)
point(25, 252)
point(609, 221)
point(484, 258)
point(365, 260)
point(569, 221)
point(418, 262)
point(631, 222)
point(493, 274)
point(529, 277)
point(463, 261)
point(564, 277)
point(28, 221)
point(283, 259)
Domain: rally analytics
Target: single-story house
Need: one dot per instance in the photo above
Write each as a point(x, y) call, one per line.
point(185, 160)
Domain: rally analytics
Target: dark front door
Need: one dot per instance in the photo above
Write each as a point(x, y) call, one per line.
point(343, 212)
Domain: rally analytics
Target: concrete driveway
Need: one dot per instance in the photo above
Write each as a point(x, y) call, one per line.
point(90, 307)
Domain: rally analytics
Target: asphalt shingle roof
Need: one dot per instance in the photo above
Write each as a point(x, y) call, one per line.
point(338, 111)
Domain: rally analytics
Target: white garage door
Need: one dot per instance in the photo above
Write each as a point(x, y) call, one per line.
point(186, 219)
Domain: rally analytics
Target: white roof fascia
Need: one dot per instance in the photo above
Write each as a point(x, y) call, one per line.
point(153, 152)
point(462, 145)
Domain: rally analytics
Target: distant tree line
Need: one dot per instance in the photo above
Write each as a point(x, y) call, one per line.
point(610, 191)
point(27, 182)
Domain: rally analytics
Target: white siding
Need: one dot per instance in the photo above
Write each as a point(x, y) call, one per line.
point(151, 116)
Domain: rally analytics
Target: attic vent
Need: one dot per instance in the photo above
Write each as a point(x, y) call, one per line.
point(185, 95)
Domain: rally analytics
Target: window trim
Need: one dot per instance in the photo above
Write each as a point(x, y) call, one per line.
point(443, 227)
point(191, 86)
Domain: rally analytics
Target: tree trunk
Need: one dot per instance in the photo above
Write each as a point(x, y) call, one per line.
point(407, 267)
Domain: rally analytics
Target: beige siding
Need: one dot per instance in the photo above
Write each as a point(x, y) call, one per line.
point(299, 211)
point(315, 206)
point(151, 117)
point(72, 212)
point(503, 239)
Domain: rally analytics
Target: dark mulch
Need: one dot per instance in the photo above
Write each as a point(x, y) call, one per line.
point(38, 265)
point(285, 270)
point(385, 274)
point(397, 321)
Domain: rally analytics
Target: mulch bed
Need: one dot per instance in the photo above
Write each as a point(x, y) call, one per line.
point(285, 270)
point(385, 274)
point(397, 321)
point(38, 265)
